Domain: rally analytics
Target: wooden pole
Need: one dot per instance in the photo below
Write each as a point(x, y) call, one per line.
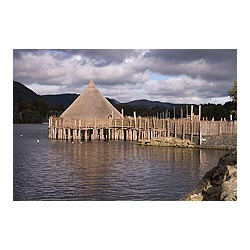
point(153, 127)
point(192, 129)
point(192, 112)
point(148, 130)
point(168, 127)
point(183, 130)
point(175, 129)
point(139, 136)
point(199, 112)
point(122, 132)
point(135, 118)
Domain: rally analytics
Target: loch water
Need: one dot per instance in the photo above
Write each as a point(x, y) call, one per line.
point(45, 169)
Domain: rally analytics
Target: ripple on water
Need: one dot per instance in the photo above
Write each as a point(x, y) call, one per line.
point(102, 170)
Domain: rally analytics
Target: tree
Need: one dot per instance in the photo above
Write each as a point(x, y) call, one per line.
point(233, 92)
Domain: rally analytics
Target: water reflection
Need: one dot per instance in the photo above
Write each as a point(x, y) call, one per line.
point(103, 170)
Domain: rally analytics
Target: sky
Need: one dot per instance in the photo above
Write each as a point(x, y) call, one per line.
point(166, 75)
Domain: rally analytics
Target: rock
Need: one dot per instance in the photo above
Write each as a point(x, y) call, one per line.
point(168, 142)
point(195, 197)
point(220, 183)
point(229, 186)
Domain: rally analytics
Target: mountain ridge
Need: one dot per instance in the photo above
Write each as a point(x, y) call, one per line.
point(29, 107)
point(67, 98)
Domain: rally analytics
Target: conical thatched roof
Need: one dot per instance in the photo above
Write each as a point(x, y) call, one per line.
point(91, 104)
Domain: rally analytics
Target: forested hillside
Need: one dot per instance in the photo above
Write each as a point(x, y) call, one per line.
point(28, 107)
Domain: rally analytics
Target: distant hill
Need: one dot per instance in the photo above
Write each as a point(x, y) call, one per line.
point(30, 107)
point(61, 99)
point(21, 92)
point(152, 104)
point(112, 101)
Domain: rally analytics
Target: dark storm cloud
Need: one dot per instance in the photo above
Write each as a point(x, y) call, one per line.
point(179, 55)
point(209, 64)
point(98, 57)
point(19, 53)
point(129, 74)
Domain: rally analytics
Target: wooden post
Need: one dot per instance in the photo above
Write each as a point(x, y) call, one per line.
point(220, 127)
point(59, 133)
point(63, 134)
point(181, 113)
point(192, 129)
point(174, 112)
point(86, 134)
point(139, 136)
point(183, 130)
point(153, 123)
point(200, 132)
point(135, 118)
point(175, 129)
point(192, 112)
point(148, 130)
point(199, 112)
point(122, 132)
point(122, 113)
point(109, 134)
point(93, 134)
point(187, 111)
point(69, 134)
point(101, 133)
point(168, 127)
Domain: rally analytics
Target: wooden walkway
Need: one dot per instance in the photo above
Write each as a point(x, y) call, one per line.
point(135, 128)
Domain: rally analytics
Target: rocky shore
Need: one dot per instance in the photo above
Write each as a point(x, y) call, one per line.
point(220, 183)
point(168, 142)
point(210, 142)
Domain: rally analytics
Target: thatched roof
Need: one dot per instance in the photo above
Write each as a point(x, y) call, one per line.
point(91, 104)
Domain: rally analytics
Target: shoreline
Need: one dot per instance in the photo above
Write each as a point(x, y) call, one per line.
point(219, 183)
point(214, 143)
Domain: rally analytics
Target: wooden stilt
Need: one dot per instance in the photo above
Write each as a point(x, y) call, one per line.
point(199, 112)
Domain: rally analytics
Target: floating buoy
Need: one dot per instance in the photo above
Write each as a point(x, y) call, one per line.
point(37, 140)
point(72, 142)
point(21, 134)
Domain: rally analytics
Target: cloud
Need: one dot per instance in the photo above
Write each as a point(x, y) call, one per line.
point(185, 88)
point(207, 64)
point(130, 74)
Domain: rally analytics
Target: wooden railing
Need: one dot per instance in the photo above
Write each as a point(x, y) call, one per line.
point(172, 127)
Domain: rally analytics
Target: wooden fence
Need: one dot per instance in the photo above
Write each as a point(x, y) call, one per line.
point(135, 128)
